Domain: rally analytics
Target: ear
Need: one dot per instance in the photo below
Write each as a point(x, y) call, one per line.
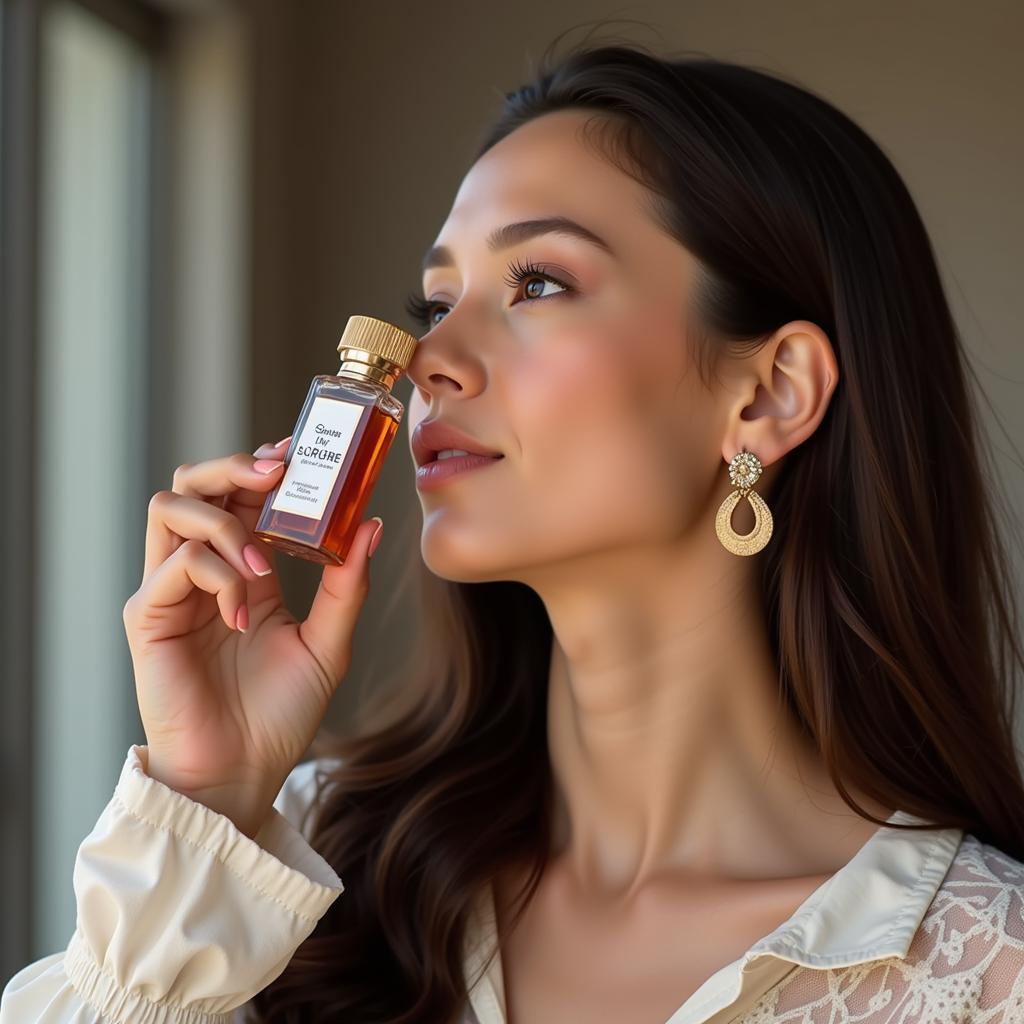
point(780, 394)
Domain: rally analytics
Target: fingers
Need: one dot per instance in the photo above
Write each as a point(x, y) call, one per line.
point(328, 628)
point(174, 519)
point(244, 503)
point(183, 513)
point(192, 566)
point(218, 477)
point(265, 451)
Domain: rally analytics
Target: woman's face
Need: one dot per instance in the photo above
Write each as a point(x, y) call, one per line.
point(610, 440)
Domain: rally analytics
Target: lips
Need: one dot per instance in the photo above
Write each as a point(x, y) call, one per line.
point(433, 436)
point(432, 475)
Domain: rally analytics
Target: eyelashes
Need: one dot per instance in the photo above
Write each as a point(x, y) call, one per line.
point(519, 272)
point(421, 310)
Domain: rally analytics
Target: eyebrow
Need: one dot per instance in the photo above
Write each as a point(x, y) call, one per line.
point(520, 231)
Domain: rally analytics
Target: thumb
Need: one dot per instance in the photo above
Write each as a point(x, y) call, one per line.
point(328, 628)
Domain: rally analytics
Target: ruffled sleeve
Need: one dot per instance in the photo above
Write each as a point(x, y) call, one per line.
point(181, 918)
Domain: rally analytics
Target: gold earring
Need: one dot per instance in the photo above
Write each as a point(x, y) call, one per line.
point(744, 470)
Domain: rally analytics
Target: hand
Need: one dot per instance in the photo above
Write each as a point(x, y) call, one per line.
point(228, 714)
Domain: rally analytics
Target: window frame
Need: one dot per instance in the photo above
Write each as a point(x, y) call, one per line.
point(20, 142)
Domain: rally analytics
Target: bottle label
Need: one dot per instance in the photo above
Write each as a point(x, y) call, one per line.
point(324, 441)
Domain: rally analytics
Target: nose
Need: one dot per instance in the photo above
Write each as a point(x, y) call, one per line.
point(444, 363)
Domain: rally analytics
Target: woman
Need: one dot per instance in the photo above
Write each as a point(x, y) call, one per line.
point(681, 765)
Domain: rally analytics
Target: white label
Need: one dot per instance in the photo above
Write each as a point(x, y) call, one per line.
point(324, 442)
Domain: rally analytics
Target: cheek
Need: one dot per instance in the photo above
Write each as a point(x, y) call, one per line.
point(595, 431)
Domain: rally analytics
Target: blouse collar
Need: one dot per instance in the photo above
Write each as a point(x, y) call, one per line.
point(869, 909)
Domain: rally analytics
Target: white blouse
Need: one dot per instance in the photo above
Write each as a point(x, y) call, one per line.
point(182, 919)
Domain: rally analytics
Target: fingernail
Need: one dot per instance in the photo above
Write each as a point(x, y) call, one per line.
point(283, 440)
point(256, 560)
point(375, 539)
point(266, 465)
point(242, 618)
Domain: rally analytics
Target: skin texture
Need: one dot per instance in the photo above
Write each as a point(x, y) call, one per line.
point(693, 818)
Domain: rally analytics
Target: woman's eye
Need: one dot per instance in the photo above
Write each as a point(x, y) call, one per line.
point(422, 311)
point(532, 280)
point(533, 292)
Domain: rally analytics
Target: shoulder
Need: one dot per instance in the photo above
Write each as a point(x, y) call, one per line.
point(302, 790)
point(983, 890)
point(970, 942)
point(980, 876)
point(964, 963)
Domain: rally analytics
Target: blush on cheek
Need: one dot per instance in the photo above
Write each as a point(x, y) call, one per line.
point(590, 420)
point(584, 359)
point(574, 393)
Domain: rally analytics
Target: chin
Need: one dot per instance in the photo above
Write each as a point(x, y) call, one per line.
point(453, 554)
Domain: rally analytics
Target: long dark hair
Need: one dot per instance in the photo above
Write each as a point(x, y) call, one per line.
point(889, 595)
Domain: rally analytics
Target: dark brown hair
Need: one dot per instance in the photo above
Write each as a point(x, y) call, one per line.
point(888, 593)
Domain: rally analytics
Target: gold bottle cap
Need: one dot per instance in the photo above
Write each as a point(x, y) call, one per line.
point(380, 338)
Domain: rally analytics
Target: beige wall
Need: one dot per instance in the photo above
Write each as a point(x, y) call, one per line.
point(365, 116)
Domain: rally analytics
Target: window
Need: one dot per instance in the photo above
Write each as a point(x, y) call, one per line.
point(123, 214)
point(91, 430)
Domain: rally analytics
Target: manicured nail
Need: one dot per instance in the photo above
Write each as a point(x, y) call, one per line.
point(256, 560)
point(266, 465)
point(242, 619)
point(283, 441)
point(375, 539)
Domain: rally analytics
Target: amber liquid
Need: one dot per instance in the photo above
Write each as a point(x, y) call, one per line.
point(327, 540)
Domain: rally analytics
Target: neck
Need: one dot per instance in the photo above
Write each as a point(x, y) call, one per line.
point(672, 751)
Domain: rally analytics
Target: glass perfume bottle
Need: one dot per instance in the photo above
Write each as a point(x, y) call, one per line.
point(339, 442)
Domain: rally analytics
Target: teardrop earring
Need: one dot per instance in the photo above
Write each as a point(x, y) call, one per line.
point(744, 471)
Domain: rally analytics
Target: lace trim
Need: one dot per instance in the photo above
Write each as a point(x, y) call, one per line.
point(965, 963)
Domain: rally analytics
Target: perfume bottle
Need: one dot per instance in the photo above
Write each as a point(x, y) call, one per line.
point(338, 445)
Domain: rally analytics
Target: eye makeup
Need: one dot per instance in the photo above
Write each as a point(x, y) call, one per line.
point(421, 309)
